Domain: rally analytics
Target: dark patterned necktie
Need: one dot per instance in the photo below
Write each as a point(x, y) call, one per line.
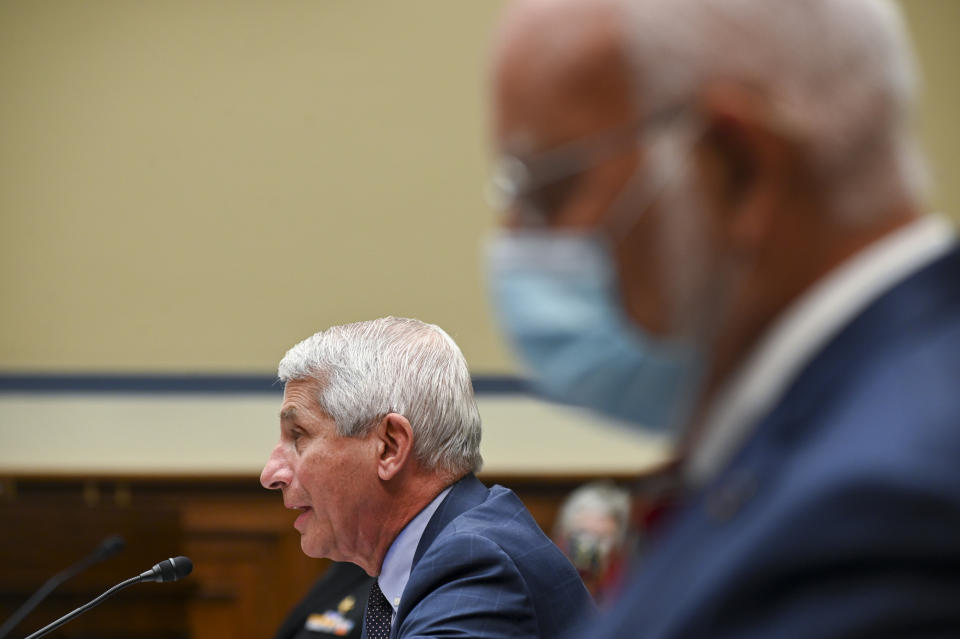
point(378, 614)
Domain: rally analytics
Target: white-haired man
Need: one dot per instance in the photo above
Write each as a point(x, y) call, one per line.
point(714, 226)
point(379, 440)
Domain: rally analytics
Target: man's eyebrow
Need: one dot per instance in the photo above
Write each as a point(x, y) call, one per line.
point(288, 414)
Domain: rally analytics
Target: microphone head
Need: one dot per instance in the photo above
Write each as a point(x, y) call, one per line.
point(110, 546)
point(169, 570)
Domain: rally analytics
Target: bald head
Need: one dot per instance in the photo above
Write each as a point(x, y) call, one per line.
point(837, 74)
point(560, 69)
point(561, 74)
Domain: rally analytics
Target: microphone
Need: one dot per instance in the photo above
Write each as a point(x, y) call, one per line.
point(167, 570)
point(107, 548)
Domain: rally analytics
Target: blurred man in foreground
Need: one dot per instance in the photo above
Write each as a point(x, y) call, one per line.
point(722, 200)
point(379, 440)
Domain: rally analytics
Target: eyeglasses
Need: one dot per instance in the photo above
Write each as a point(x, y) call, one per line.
point(535, 188)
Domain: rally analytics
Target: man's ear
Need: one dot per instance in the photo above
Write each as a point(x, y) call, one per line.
point(395, 445)
point(750, 162)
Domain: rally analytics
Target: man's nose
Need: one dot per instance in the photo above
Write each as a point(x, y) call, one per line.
point(277, 473)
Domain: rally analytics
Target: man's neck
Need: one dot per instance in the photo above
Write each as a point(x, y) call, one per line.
point(764, 296)
point(403, 501)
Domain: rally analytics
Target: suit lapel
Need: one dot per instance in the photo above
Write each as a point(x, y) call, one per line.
point(904, 312)
point(464, 495)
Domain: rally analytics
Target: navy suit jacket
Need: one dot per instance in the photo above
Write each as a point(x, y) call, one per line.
point(840, 516)
point(484, 568)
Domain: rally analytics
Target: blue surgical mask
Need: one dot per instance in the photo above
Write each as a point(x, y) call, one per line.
point(557, 301)
point(557, 297)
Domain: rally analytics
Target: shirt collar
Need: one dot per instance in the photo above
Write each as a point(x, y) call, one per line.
point(398, 561)
point(803, 329)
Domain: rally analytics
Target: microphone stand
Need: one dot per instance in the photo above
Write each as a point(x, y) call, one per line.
point(168, 570)
point(85, 607)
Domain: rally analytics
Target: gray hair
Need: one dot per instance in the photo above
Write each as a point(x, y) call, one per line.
point(600, 497)
point(367, 370)
point(839, 74)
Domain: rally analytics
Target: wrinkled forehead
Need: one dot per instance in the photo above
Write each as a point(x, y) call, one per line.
point(560, 72)
point(299, 401)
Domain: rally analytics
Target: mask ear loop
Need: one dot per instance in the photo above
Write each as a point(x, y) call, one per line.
point(669, 157)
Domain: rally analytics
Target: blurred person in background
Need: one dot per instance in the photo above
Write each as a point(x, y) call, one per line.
point(593, 530)
point(714, 227)
point(379, 442)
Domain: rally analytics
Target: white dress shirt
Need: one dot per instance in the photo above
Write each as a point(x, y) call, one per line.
point(803, 329)
point(395, 571)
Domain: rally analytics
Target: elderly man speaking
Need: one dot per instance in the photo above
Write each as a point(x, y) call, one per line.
point(379, 440)
point(714, 225)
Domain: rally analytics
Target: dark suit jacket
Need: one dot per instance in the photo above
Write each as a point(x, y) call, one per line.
point(484, 568)
point(840, 517)
point(334, 606)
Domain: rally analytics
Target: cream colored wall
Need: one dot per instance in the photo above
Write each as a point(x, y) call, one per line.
point(934, 25)
point(186, 186)
point(196, 186)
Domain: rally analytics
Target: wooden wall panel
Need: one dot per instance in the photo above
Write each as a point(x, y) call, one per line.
point(43, 534)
